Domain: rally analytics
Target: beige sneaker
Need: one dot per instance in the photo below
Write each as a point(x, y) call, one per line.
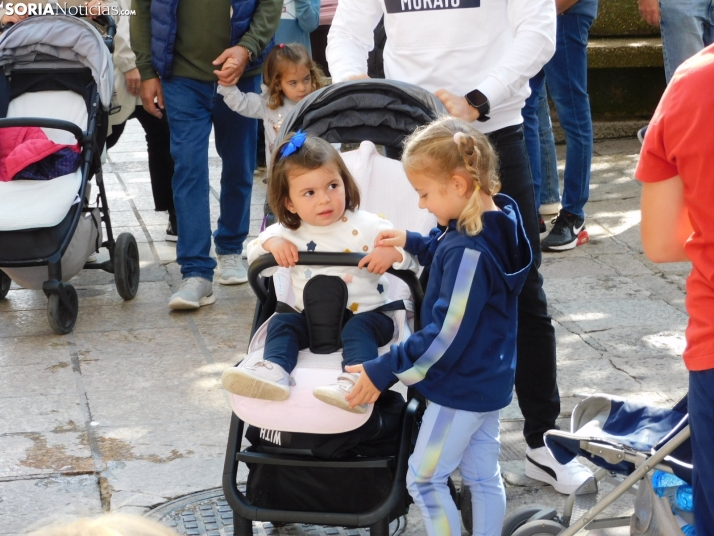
point(194, 292)
point(232, 270)
point(335, 394)
point(264, 380)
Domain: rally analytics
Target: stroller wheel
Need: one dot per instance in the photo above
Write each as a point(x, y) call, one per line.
point(5, 283)
point(126, 266)
point(61, 317)
point(540, 528)
point(467, 515)
point(523, 515)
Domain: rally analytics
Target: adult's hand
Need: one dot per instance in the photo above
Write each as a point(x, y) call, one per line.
point(133, 81)
point(151, 96)
point(649, 9)
point(358, 77)
point(233, 62)
point(457, 106)
point(14, 18)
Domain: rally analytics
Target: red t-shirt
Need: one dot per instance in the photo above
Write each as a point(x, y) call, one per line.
point(680, 141)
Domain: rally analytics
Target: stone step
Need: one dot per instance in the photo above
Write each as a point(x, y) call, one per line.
point(624, 52)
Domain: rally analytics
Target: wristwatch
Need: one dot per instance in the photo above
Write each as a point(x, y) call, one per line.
point(479, 101)
point(250, 54)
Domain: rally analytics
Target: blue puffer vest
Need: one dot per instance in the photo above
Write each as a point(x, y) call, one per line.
point(163, 32)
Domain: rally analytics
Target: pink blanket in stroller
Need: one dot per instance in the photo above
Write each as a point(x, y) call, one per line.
point(21, 147)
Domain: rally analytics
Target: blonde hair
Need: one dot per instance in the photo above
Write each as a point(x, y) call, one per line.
point(447, 145)
point(107, 525)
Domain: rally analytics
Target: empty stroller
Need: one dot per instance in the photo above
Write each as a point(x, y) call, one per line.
point(310, 462)
point(627, 440)
point(58, 70)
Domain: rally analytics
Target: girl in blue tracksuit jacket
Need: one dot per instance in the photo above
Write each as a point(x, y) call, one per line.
point(463, 360)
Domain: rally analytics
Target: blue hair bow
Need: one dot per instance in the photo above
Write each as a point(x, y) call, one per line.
point(294, 144)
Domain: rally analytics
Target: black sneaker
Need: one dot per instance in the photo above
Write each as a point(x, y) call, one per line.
point(564, 234)
point(541, 227)
point(172, 229)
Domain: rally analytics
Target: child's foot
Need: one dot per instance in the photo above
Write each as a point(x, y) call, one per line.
point(335, 394)
point(264, 380)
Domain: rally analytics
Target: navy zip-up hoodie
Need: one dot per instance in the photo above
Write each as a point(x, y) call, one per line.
point(464, 357)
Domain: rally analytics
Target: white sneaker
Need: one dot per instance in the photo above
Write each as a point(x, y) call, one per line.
point(194, 292)
point(540, 465)
point(335, 394)
point(264, 380)
point(232, 270)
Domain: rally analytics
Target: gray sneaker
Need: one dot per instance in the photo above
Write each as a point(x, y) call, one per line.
point(194, 292)
point(232, 270)
point(335, 394)
point(264, 380)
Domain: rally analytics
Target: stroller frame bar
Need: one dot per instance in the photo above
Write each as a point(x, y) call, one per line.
point(47, 123)
point(330, 259)
point(243, 509)
point(588, 520)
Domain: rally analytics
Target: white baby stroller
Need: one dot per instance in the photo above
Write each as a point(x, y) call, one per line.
point(310, 462)
point(627, 440)
point(58, 73)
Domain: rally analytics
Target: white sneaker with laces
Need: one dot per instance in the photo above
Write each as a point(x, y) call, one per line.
point(264, 380)
point(540, 465)
point(194, 292)
point(232, 270)
point(335, 394)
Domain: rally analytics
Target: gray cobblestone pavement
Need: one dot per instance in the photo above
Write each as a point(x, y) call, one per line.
point(127, 413)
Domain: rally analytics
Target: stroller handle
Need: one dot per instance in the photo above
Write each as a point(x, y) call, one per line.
point(46, 123)
point(326, 259)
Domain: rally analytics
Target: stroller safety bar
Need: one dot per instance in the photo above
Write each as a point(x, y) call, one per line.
point(42, 122)
point(244, 509)
point(329, 259)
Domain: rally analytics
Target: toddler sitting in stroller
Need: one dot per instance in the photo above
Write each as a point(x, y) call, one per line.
point(316, 200)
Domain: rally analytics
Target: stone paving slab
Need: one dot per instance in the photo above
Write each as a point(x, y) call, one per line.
point(132, 398)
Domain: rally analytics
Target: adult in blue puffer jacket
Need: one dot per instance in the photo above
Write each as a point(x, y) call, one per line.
point(184, 49)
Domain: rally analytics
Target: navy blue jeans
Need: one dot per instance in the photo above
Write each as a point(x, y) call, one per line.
point(193, 107)
point(540, 143)
point(701, 421)
point(362, 336)
point(566, 75)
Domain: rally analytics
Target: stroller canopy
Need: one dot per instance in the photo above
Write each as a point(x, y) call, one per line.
point(382, 111)
point(49, 38)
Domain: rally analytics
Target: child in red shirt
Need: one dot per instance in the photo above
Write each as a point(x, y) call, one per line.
point(675, 168)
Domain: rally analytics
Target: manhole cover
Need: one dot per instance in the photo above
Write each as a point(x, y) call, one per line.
point(208, 513)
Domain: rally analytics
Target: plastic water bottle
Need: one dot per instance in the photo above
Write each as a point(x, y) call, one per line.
point(688, 530)
point(662, 480)
point(674, 489)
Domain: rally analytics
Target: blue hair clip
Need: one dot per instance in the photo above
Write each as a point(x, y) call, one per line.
point(294, 144)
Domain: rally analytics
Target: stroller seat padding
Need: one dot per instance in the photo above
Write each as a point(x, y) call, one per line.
point(38, 204)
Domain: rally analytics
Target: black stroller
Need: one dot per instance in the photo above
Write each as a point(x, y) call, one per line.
point(339, 479)
point(58, 71)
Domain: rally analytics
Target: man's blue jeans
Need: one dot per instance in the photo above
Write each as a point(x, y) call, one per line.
point(687, 27)
point(540, 144)
point(193, 107)
point(566, 75)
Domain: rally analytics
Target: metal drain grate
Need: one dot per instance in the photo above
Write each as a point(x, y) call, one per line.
point(207, 513)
